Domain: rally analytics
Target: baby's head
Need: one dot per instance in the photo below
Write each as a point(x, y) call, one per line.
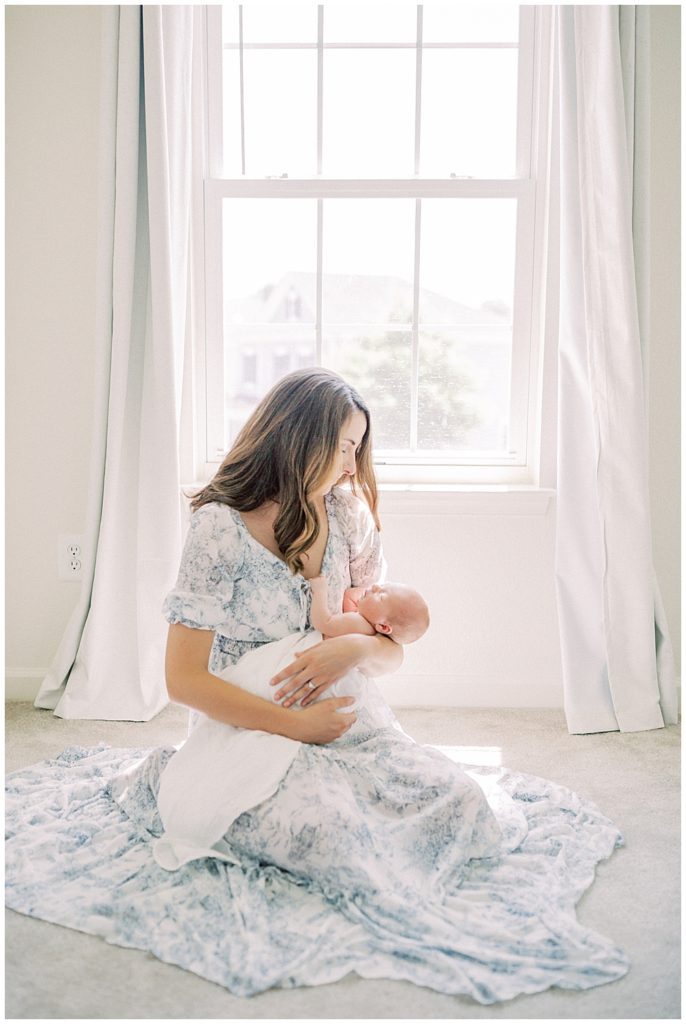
point(396, 610)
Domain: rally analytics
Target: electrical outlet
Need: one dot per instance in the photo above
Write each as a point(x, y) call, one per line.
point(69, 556)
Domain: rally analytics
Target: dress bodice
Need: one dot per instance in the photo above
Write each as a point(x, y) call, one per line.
point(230, 583)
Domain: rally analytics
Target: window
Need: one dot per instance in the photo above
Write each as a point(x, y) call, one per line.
point(374, 204)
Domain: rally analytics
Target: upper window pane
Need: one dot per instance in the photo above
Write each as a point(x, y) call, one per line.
point(370, 23)
point(470, 23)
point(271, 23)
point(469, 113)
point(280, 97)
point(468, 97)
point(369, 98)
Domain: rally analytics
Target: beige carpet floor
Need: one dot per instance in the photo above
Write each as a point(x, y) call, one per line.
point(53, 972)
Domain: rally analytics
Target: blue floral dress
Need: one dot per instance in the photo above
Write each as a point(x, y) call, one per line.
point(375, 854)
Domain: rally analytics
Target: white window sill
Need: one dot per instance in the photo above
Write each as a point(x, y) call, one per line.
point(463, 499)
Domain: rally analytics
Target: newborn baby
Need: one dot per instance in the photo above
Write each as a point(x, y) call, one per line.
point(393, 609)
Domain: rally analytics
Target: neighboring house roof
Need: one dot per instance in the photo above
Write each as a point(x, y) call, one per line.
point(374, 298)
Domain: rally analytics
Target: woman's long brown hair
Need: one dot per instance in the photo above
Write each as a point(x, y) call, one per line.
point(284, 452)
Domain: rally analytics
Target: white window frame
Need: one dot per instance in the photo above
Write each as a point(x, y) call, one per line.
point(522, 468)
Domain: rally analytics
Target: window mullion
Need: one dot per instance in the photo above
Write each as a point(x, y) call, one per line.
point(414, 382)
point(240, 65)
point(320, 283)
point(418, 90)
point(320, 86)
point(320, 201)
point(527, 24)
point(215, 95)
point(414, 368)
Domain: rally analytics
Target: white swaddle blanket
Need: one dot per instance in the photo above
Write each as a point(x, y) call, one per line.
point(222, 770)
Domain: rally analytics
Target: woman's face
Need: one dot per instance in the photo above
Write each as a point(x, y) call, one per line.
point(343, 464)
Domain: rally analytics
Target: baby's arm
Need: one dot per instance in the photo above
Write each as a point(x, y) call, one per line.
point(334, 625)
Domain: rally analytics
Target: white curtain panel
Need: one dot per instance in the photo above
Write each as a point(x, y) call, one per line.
point(110, 664)
point(618, 667)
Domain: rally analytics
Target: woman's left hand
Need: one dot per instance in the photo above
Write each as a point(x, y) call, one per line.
point(315, 669)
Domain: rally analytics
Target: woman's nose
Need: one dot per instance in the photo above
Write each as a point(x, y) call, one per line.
point(349, 464)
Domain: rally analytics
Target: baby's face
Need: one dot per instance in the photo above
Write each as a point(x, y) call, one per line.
point(377, 604)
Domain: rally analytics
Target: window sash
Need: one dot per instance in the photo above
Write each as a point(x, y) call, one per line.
point(529, 28)
point(528, 188)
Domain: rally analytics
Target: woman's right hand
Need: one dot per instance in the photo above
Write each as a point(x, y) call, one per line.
point(322, 722)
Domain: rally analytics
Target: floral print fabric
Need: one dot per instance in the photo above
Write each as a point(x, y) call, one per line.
point(230, 583)
point(375, 854)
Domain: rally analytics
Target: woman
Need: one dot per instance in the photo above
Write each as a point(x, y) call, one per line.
point(271, 519)
point(374, 854)
point(311, 432)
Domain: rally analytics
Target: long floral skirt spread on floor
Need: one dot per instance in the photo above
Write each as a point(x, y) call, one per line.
point(373, 854)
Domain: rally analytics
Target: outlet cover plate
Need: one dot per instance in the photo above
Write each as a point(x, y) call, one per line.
point(70, 556)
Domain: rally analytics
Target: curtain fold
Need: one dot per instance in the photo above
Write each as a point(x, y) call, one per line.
point(110, 663)
point(618, 669)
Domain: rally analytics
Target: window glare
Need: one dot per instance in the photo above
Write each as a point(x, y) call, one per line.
point(370, 23)
point(371, 239)
point(458, 23)
point(369, 112)
point(482, 140)
point(265, 240)
point(271, 23)
point(280, 23)
point(280, 111)
point(468, 252)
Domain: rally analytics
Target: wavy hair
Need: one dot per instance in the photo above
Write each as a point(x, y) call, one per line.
point(284, 452)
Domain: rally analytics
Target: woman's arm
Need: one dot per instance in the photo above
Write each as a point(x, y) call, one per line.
point(324, 663)
point(189, 682)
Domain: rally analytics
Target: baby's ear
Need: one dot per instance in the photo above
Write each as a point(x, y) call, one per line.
point(383, 627)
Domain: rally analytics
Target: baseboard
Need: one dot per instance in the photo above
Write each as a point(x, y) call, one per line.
point(407, 691)
point(23, 683)
point(445, 691)
point(399, 690)
point(402, 691)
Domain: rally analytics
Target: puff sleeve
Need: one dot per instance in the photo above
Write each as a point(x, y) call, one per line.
point(367, 563)
point(211, 561)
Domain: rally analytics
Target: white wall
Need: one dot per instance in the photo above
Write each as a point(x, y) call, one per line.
point(488, 578)
point(52, 81)
point(489, 583)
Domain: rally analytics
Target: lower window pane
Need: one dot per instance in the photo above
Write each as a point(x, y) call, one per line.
point(254, 359)
point(464, 389)
point(468, 249)
point(269, 260)
point(377, 363)
point(368, 261)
